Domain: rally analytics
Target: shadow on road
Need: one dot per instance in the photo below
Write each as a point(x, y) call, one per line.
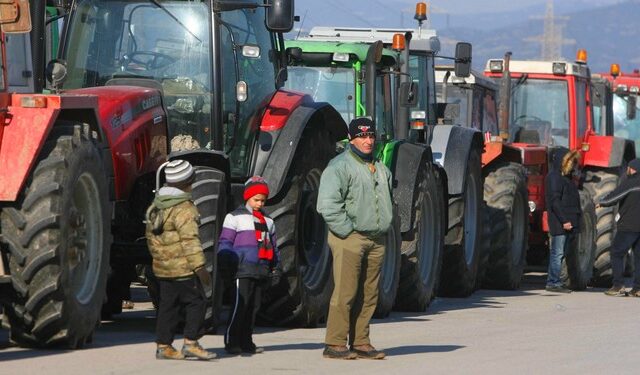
point(419, 349)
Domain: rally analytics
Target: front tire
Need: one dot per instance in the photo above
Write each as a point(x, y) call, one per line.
point(505, 191)
point(462, 243)
point(59, 237)
point(578, 262)
point(390, 270)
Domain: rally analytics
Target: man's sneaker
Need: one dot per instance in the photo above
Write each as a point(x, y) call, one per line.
point(196, 351)
point(368, 352)
point(557, 289)
point(616, 291)
point(168, 352)
point(635, 292)
point(338, 352)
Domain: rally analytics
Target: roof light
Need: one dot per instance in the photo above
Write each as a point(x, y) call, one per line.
point(398, 42)
point(615, 70)
point(421, 12)
point(634, 90)
point(33, 102)
point(581, 56)
point(340, 57)
point(559, 68)
point(241, 91)
point(496, 66)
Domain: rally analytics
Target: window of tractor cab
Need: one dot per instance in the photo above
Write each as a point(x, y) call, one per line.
point(540, 112)
point(239, 28)
point(421, 69)
point(334, 85)
point(385, 98)
point(582, 108)
point(624, 126)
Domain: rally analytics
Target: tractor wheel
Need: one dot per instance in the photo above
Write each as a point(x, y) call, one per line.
point(423, 246)
point(301, 298)
point(599, 184)
point(390, 271)
point(462, 243)
point(505, 191)
point(578, 262)
point(59, 237)
point(209, 192)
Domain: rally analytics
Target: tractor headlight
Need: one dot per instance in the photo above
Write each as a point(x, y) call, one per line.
point(532, 206)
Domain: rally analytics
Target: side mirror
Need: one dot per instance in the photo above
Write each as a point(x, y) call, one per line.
point(408, 95)
point(279, 16)
point(15, 17)
point(294, 54)
point(463, 59)
point(632, 101)
point(56, 73)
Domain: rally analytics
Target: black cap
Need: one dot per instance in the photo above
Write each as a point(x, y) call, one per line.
point(361, 126)
point(635, 164)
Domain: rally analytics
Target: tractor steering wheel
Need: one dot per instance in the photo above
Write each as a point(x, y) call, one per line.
point(136, 61)
point(525, 118)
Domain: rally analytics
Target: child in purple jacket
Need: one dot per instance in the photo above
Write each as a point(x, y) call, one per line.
point(247, 248)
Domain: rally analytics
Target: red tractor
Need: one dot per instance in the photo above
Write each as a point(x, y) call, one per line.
point(550, 106)
point(219, 67)
point(65, 161)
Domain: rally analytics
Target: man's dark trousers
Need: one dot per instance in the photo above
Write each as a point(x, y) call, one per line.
point(174, 295)
point(621, 244)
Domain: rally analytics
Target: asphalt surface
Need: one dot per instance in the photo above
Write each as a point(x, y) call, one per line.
point(529, 331)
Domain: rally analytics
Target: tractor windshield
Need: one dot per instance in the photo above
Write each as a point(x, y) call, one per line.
point(333, 85)
point(623, 126)
point(540, 112)
point(172, 42)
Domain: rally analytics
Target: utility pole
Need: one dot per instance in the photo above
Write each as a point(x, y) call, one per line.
point(552, 38)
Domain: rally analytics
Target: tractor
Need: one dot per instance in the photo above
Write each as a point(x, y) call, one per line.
point(361, 79)
point(550, 107)
point(455, 148)
point(66, 159)
point(473, 102)
point(219, 67)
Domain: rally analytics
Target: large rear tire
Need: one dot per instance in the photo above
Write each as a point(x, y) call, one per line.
point(301, 298)
point(423, 246)
point(578, 262)
point(599, 184)
point(462, 243)
point(505, 191)
point(59, 237)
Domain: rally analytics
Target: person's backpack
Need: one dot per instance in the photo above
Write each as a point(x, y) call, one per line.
point(155, 219)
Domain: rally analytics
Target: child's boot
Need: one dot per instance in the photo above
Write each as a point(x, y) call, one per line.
point(168, 352)
point(194, 350)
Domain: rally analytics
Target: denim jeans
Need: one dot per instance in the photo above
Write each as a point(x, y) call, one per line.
point(557, 250)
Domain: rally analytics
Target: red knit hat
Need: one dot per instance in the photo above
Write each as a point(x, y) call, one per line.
point(254, 186)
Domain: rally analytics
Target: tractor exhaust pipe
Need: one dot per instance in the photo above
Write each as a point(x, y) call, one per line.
point(38, 17)
point(402, 116)
point(374, 56)
point(505, 99)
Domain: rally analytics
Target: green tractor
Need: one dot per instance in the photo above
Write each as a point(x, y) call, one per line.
point(362, 79)
point(454, 148)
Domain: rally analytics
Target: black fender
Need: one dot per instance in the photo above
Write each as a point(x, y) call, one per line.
point(275, 149)
point(451, 146)
point(409, 158)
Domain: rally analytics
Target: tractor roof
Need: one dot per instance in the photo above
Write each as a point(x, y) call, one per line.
point(354, 49)
point(623, 83)
point(424, 40)
point(476, 78)
point(542, 67)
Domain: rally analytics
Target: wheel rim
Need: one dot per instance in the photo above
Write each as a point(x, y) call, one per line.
point(387, 276)
point(517, 229)
point(86, 237)
point(428, 238)
point(313, 233)
point(470, 224)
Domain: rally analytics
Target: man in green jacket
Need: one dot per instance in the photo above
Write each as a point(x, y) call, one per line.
point(355, 201)
point(178, 263)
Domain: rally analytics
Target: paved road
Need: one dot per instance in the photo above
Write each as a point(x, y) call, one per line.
point(523, 332)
